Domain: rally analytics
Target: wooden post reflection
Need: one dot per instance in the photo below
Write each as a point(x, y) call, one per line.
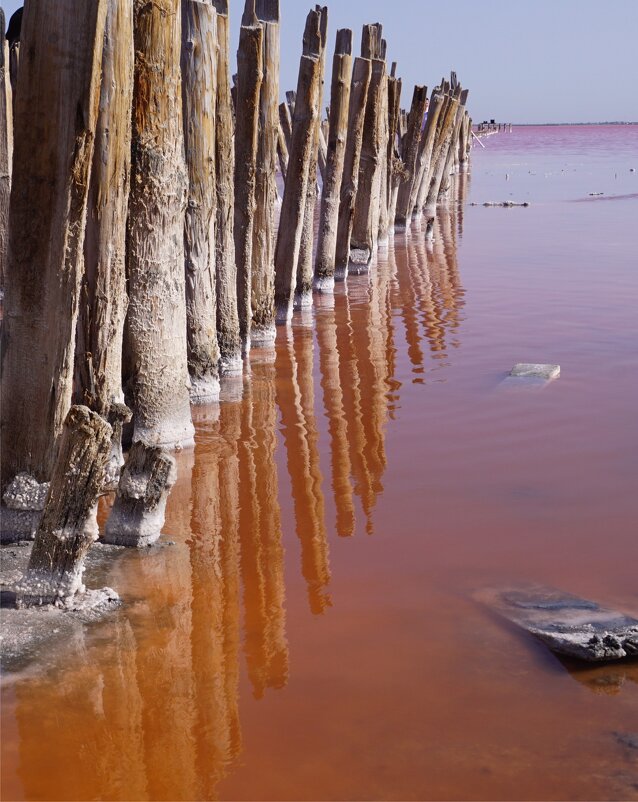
point(214, 556)
point(262, 554)
point(295, 399)
point(337, 422)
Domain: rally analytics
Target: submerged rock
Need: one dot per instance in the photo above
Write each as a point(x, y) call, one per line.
point(567, 624)
point(536, 371)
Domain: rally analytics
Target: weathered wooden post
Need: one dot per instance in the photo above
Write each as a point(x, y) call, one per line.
point(453, 147)
point(421, 186)
point(158, 383)
point(439, 157)
point(199, 100)
point(395, 164)
point(103, 297)
point(228, 335)
point(410, 148)
point(291, 221)
point(338, 132)
point(55, 125)
point(6, 149)
point(384, 129)
point(365, 229)
point(285, 121)
point(65, 534)
point(263, 332)
point(439, 178)
point(303, 290)
point(138, 513)
point(248, 91)
point(14, 34)
point(361, 73)
point(282, 153)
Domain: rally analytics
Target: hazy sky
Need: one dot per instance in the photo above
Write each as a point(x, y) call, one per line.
point(523, 60)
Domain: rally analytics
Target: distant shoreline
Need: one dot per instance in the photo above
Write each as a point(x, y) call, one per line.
point(536, 125)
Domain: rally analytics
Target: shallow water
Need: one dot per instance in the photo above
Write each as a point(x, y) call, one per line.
point(313, 635)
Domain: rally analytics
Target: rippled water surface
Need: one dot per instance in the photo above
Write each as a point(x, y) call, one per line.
point(312, 635)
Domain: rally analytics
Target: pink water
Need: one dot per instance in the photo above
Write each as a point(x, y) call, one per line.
point(312, 635)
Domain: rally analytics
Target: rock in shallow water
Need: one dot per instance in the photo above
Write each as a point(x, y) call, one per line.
point(537, 371)
point(567, 624)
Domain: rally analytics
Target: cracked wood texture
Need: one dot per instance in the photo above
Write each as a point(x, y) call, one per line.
point(6, 148)
point(337, 136)
point(248, 90)
point(156, 324)
point(199, 100)
point(361, 74)
point(63, 537)
point(103, 297)
point(305, 119)
point(395, 164)
point(410, 150)
point(56, 113)
point(266, 193)
point(228, 335)
point(303, 289)
point(365, 228)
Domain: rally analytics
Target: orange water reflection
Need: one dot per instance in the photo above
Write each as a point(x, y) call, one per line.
point(275, 651)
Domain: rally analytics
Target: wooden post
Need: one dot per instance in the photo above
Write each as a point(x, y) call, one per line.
point(453, 147)
point(322, 155)
point(263, 331)
point(55, 131)
point(56, 564)
point(228, 335)
point(439, 156)
point(361, 74)
point(199, 100)
point(157, 367)
point(103, 298)
point(285, 121)
point(291, 221)
point(395, 164)
point(384, 206)
point(6, 147)
point(249, 82)
point(417, 201)
point(338, 132)
point(303, 290)
point(138, 513)
point(410, 154)
point(365, 229)
point(282, 152)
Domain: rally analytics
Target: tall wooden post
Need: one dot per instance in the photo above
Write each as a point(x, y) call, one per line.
point(338, 132)
point(158, 384)
point(447, 131)
point(248, 90)
point(453, 147)
point(361, 74)
point(6, 147)
point(303, 138)
point(384, 208)
point(199, 96)
point(228, 335)
point(56, 114)
point(303, 290)
point(395, 164)
point(365, 229)
point(410, 149)
point(103, 298)
point(263, 331)
point(421, 186)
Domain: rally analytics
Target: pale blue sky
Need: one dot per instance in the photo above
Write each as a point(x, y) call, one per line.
point(523, 60)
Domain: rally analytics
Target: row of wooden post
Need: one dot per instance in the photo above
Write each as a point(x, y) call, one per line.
point(141, 255)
